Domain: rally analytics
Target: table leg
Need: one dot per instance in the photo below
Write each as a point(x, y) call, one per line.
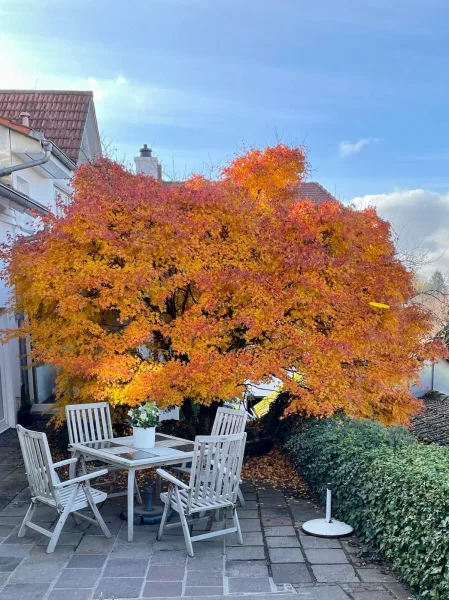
point(131, 479)
point(73, 466)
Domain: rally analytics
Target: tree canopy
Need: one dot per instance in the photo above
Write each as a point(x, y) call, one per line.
point(191, 290)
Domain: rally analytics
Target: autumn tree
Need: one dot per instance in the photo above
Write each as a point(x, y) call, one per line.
point(189, 291)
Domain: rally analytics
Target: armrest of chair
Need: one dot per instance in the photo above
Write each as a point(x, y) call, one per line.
point(172, 479)
point(81, 479)
point(63, 463)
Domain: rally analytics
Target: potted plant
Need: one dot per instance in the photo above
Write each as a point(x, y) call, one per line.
point(144, 420)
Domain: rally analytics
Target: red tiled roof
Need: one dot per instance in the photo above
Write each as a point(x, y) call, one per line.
point(60, 116)
point(315, 192)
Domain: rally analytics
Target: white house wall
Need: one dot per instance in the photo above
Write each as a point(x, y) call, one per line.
point(40, 186)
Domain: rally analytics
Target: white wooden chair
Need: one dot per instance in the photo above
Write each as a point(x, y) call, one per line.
point(92, 423)
point(66, 497)
point(214, 484)
point(227, 422)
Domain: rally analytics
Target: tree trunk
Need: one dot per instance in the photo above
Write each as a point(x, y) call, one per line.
point(189, 416)
point(206, 417)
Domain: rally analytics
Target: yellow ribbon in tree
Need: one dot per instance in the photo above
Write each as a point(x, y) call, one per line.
point(379, 305)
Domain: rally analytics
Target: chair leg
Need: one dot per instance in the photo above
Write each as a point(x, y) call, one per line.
point(241, 498)
point(113, 483)
point(61, 522)
point(160, 532)
point(27, 517)
point(96, 512)
point(72, 467)
point(235, 518)
point(184, 524)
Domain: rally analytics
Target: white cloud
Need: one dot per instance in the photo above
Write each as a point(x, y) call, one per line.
point(347, 148)
point(420, 219)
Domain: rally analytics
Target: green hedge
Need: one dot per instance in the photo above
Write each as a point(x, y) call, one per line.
point(393, 490)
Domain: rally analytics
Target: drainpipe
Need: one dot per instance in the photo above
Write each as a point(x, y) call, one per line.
point(46, 145)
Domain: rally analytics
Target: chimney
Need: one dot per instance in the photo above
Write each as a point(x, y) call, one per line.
point(25, 119)
point(147, 164)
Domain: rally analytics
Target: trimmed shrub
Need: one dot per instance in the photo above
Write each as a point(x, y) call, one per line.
point(393, 490)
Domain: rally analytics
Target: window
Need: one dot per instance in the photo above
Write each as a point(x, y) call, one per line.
point(62, 199)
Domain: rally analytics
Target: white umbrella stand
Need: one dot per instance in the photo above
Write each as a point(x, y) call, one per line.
point(328, 527)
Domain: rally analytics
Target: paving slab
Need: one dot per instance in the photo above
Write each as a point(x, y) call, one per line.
point(374, 575)
point(8, 564)
point(118, 587)
point(377, 595)
point(162, 589)
point(36, 572)
point(279, 531)
point(126, 567)
point(127, 550)
point(244, 585)
point(399, 590)
point(78, 578)
point(24, 591)
point(197, 578)
point(250, 525)
point(204, 562)
point(203, 591)
point(334, 573)
point(168, 558)
point(87, 561)
point(250, 538)
point(283, 542)
point(71, 594)
point(245, 553)
point(310, 542)
point(166, 573)
point(246, 568)
point(291, 573)
point(326, 556)
point(286, 555)
point(65, 539)
point(321, 593)
point(94, 544)
point(276, 521)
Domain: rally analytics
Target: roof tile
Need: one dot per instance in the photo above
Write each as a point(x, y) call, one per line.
point(60, 115)
point(315, 192)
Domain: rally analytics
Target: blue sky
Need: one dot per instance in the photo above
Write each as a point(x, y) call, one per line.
point(364, 84)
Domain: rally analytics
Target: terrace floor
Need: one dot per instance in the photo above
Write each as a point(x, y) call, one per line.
point(276, 556)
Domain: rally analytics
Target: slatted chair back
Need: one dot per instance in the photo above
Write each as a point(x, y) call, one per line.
point(216, 467)
point(89, 422)
point(229, 421)
point(38, 464)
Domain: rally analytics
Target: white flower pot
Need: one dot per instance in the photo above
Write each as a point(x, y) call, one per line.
point(144, 438)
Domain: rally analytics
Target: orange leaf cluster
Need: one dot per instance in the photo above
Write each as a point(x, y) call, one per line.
point(144, 290)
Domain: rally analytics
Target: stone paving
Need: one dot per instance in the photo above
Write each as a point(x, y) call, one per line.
point(276, 556)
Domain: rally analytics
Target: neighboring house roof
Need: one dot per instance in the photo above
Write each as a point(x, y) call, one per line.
point(315, 192)
point(60, 115)
point(15, 126)
point(432, 423)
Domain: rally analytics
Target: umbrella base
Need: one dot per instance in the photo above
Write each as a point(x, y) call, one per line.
point(327, 529)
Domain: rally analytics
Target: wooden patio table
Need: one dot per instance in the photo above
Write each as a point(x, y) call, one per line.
point(168, 450)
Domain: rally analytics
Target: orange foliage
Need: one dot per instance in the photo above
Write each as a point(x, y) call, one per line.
point(144, 290)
